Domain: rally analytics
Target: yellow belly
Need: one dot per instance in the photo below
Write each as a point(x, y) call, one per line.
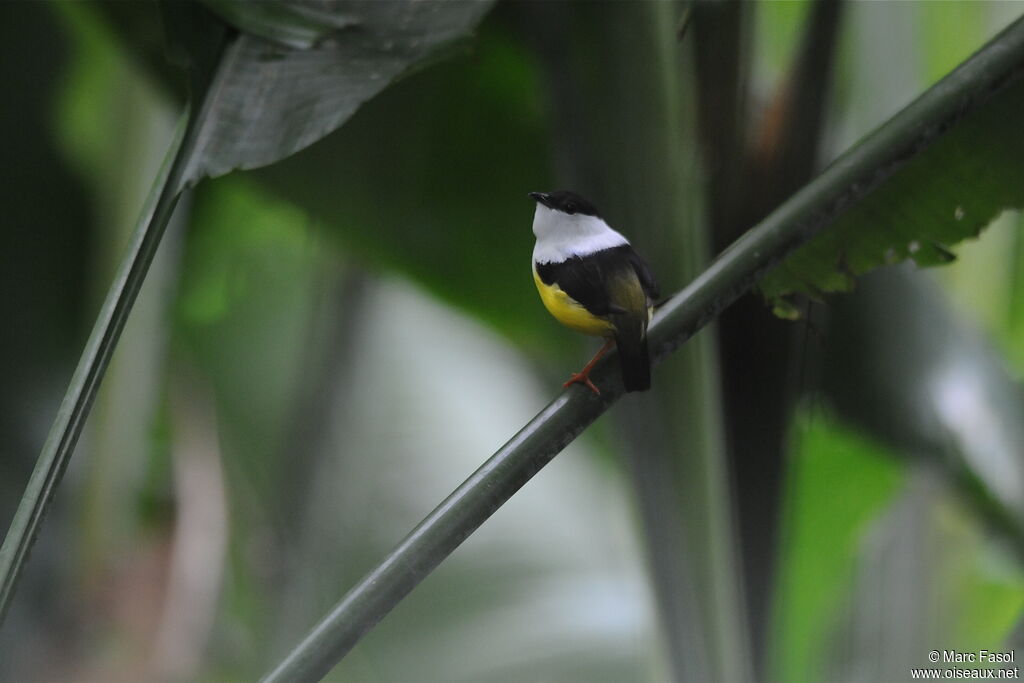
point(570, 313)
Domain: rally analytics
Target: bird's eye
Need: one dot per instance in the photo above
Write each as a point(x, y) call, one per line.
point(570, 208)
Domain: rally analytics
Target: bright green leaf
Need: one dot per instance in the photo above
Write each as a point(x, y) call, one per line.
point(946, 193)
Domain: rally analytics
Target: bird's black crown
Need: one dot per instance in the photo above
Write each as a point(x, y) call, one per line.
point(565, 201)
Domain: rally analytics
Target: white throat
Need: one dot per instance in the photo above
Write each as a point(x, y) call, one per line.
point(561, 236)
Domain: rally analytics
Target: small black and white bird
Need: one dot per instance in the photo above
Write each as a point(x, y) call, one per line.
point(590, 278)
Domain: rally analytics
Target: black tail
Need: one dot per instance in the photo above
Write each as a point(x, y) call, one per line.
point(631, 339)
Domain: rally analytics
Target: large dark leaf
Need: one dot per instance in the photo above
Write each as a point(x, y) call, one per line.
point(308, 67)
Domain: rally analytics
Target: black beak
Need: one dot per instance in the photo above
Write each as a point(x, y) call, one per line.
point(540, 197)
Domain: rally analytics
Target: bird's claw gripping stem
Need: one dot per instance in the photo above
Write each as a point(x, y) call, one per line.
point(582, 378)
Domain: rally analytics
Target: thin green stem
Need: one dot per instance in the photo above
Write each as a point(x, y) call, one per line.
point(181, 169)
point(804, 215)
point(67, 426)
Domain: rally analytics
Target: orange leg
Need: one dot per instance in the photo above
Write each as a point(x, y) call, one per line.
point(583, 376)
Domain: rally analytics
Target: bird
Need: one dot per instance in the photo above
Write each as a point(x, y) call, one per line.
point(592, 280)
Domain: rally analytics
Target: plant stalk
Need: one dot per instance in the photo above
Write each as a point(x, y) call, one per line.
point(74, 409)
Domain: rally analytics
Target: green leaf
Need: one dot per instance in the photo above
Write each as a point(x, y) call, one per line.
point(935, 198)
point(271, 99)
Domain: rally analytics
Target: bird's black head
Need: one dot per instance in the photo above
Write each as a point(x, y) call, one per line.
point(566, 202)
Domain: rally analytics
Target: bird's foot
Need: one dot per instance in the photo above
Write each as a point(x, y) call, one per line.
point(582, 378)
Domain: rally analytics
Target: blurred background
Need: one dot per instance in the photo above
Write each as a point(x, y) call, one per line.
point(326, 347)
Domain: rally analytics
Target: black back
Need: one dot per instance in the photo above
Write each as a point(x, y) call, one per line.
point(585, 278)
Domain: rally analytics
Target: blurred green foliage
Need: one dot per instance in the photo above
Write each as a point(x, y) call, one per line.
point(425, 185)
point(839, 483)
point(985, 285)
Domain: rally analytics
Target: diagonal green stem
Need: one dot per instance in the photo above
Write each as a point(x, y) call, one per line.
point(800, 218)
point(178, 172)
point(74, 409)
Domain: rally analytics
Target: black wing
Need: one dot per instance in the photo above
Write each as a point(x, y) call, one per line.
point(586, 278)
point(646, 275)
